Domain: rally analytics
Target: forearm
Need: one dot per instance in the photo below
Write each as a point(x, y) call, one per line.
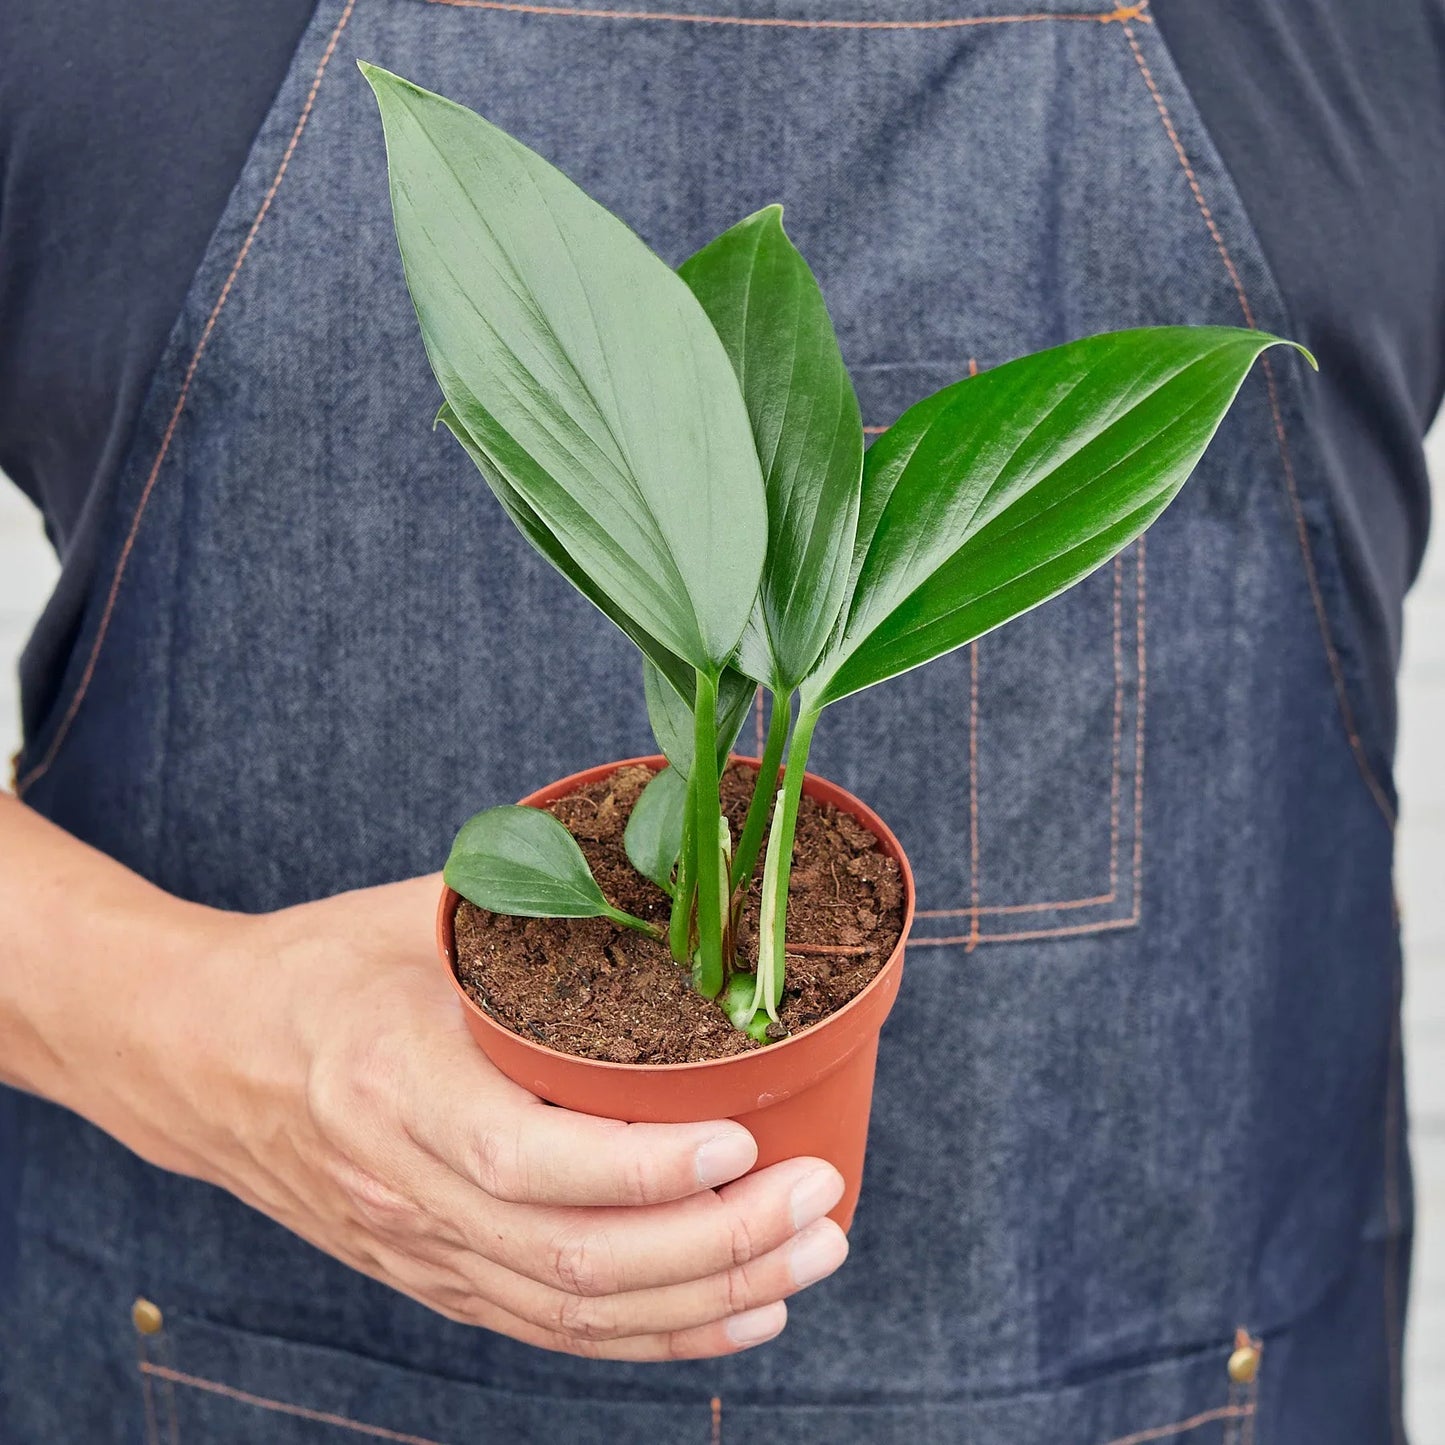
point(86, 952)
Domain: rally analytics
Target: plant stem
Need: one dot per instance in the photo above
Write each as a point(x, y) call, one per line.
point(684, 890)
point(745, 859)
point(779, 868)
point(707, 815)
point(631, 920)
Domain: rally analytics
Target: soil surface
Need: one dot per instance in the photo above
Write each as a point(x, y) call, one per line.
point(586, 986)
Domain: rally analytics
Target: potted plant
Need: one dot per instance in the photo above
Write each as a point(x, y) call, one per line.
point(685, 447)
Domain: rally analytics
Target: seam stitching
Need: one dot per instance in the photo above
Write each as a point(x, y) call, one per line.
point(1337, 675)
point(282, 1407)
point(717, 1434)
point(148, 1395)
point(83, 687)
point(975, 908)
point(1105, 925)
point(1122, 14)
point(1181, 1427)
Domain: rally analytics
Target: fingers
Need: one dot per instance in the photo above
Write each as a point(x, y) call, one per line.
point(738, 1292)
point(513, 1147)
point(729, 1312)
point(614, 1251)
point(721, 1337)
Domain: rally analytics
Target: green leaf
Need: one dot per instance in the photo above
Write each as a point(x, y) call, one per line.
point(765, 303)
point(535, 531)
point(1004, 489)
point(523, 861)
point(672, 719)
point(653, 837)
point(584, 369)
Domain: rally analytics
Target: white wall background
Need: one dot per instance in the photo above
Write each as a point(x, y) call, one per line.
point(27, 571)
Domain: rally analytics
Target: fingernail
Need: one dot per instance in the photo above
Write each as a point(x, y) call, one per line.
point(814, 1195)
point(758, 1325)
point(817, 1253)
point(724, 1157)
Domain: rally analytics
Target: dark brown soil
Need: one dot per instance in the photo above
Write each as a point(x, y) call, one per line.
point(588, 987)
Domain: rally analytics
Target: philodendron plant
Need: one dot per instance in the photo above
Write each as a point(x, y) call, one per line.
point(686, 448)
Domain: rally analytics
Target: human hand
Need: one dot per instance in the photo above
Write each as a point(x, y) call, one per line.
point(317, 1065)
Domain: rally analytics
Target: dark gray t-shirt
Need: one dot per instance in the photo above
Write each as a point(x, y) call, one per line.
point(123, 129)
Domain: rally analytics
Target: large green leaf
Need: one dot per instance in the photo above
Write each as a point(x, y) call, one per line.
point(672, 720)
point(1002, 490)
point(531, 526)
point(766, 306)
point(653, 837)
point(584, 369)
point(523, 861)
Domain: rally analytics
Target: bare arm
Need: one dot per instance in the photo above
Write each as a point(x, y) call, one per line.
point(314, 1063)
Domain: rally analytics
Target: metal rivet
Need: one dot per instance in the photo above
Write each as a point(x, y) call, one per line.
point(146, 1317)
point(1244, 1365)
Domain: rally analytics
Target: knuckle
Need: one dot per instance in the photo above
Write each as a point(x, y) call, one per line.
point(644, 1177)
point(495, 1164)
point(736, 1291)
point(362, 1078)
point(743, 1241)
point(582, 1318)
point(677, 1345)
point(380, 1206)
point(583, 1263)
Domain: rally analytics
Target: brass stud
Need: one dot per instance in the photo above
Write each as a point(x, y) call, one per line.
point(1244, 1365)
point(146, 1317)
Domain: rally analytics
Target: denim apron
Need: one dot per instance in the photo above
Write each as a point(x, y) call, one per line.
point(1139, 1105)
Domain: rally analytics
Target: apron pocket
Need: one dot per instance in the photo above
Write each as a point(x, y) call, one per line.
point(205, 1382)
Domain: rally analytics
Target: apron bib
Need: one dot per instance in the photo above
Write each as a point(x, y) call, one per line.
point(1141, 1089)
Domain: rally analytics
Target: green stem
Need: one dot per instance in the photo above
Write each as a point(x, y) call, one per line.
point(684, 890)
point(779, 868)
point(745, 859)
point(631, 920)
point(707, 813)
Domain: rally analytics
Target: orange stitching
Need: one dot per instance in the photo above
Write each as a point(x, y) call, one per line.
point(973, 791)
point(152, 1429)
point(280, 1407)
point(874, 431)
point(1099, 899)
point(717, 1420)
point(43, 766)
point(1179, 1427)
point(758, 719)
point(1071, 931)
point(1123, 13)
point(1191, 178)
point(163, 1347)
point(1337, 675)
point(1005, 908)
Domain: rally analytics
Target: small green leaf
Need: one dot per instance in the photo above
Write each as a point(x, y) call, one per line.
point(586, 371)
point(1002, 490)
point(653, 837)
point(767, 307)
point(671, 715)
point(523, 861)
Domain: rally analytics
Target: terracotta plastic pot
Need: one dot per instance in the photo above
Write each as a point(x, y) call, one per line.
point(808, 1095)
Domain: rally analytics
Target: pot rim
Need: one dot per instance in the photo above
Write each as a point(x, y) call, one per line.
point(812, 783)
